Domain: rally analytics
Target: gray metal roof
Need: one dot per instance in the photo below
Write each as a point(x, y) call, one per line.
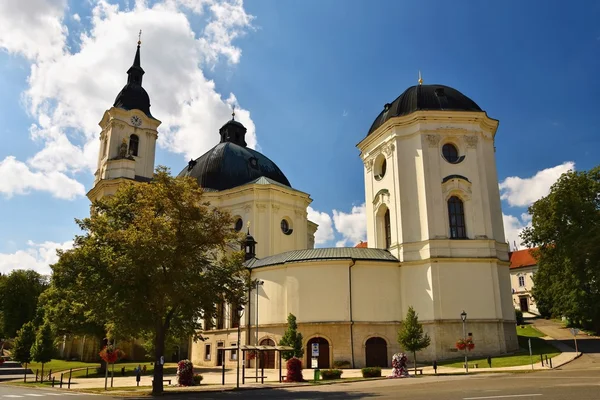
point(335, 253)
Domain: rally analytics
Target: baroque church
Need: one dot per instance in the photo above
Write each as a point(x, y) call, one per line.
point(434, 231)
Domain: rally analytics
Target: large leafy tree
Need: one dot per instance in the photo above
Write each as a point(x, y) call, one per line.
point(411, 336)
point(19, 292)
point(43, 348)
point(292, 338)
point(154, 259)
point(565, 227)
point(23, 343)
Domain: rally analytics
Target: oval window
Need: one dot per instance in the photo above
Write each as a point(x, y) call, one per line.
point(285, 227)
point(239, 224)
point(450, 153)
point(380, 167)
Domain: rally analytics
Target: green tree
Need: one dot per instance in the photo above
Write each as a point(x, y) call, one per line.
point(565, 228)
point(43, 348)
point(23, 343)
point(411, 336)
point(154, 258)
point(19, 292)
point(292, 338)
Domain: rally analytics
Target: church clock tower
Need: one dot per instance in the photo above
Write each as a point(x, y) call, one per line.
point(128, 137)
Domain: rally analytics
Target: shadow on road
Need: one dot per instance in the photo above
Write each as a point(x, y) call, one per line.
point(266, 394)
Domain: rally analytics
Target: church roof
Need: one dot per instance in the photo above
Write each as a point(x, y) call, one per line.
point(231, 164)
point(522, 258)
point(335, 253)
point(425, 98)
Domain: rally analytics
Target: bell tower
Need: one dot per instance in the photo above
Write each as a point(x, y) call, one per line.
point(128, 137)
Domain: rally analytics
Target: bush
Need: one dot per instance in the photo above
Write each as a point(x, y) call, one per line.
point(342, 364)
point(519, 317)
point(328, 374)
point(294, 370)
point(185, 373)
point(371, 372)
point(197, 379)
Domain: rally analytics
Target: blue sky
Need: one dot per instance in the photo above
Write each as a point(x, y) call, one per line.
point(308, 77)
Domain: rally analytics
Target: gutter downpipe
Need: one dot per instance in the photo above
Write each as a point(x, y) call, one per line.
point(248, 319)
point(352, 262)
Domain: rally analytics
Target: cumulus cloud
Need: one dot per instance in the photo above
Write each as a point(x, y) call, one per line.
point(522, 192)
point(352, 226)
point(513, 226)
point(325, 230)
point(68, 91)
point(37, 256)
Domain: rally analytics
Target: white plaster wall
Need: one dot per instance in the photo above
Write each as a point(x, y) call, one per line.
point(416, 290)
point(376, 292)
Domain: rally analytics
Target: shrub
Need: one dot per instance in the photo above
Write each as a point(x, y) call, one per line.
point(519, 317)
point(328, 374)
point(371, 372)
point(197, 379)
point(294, 370)
point(342, 364)
point(185, 373)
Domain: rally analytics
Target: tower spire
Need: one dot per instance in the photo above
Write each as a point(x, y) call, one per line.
point(136, 72)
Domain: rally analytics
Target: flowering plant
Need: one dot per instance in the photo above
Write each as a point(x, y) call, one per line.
point(111, 355)
point(251, 355)
point(185, 373)
point(467, 343)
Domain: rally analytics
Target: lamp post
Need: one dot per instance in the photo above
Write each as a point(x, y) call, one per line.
point(240, 313)
point(463, 316)
point(258, 283)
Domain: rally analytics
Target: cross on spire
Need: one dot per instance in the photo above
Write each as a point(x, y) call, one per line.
point(140, 37)
point(233, 113)
point(420, 79)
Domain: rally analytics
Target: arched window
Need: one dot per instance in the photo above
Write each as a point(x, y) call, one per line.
point(388, 229)
point(456, 216)
point(134, 142)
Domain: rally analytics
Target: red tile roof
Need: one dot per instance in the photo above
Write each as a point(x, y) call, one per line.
point(362, 244)
point(522, 258)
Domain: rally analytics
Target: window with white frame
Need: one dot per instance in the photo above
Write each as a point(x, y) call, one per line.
point(521, 281)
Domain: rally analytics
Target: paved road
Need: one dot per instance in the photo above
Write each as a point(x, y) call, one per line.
point(29, 393)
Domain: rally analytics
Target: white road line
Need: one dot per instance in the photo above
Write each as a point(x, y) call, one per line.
point(34, 394)
point(11, 395)
point(507, 396)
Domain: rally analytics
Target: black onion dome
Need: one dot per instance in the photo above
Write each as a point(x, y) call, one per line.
point(133, 96)
point(425, 98)
point(230, 163)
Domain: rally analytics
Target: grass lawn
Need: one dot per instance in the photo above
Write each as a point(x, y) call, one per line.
point(538, 346)
point(60, 365)
point(168, 369)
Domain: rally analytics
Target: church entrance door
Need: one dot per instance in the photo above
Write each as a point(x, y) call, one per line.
point(267, 359)
point(376, 352)
point(323, 358)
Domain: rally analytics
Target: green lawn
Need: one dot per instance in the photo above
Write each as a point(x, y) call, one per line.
point(169, 369)
point(538, 347)
point(60, 365)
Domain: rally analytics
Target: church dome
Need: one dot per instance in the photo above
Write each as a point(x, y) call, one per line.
point(230, 163)
point(425, 98)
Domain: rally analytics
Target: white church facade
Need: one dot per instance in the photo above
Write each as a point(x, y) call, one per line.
point(434, 229)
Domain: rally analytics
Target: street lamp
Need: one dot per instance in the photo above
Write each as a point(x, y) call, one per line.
point(240, 313)
point(463, 316)
point(258, 283)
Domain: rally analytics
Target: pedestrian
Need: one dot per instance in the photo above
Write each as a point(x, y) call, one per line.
point(435, 366)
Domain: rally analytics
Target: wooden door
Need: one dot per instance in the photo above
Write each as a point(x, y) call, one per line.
point(323, 359)
point(376, 352)
point(267, 359)
point(524, 302)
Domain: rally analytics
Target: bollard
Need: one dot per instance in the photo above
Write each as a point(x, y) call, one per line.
point(87, 370)
point(36, 374)
point(542, 359)
point(70, 372)
point(61, 380)
point(550, 363)
point(53, 381)
point(50, 375)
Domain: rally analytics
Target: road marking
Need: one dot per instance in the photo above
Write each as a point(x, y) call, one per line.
point(507, 396)
point(11, 395)
point(34, 394)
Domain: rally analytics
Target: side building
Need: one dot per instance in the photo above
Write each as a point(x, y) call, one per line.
point(523, 267)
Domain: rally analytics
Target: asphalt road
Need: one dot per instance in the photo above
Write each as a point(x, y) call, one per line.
point(24, 393)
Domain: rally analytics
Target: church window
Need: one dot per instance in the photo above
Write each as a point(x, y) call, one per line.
point(207, 352)
point(388, 229)
point(521, 281)
point(285, 227)
point(134, 142)
point(450, 153)
point(239, 224)
point(380, 167)
point(456, 216)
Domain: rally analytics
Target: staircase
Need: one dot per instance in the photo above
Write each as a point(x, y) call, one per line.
point(12, 370)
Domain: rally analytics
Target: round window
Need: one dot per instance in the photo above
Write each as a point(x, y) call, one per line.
point(239, 224)
point(380, 167)
point(450, 153)
point(285, 227)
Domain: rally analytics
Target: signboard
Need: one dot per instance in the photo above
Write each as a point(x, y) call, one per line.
point(314, 363)
point(315, 349)
point(574, 331)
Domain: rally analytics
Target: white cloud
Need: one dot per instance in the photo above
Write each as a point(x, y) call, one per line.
point(76, 17)
point(69, 91)
point(522, 192)
point(513, 227)
point(17, 178)
point(325, 230)
point(352, 226)
point(37, 256)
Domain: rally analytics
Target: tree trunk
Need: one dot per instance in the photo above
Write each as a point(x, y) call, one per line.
point(415, 361)
point(159, 347)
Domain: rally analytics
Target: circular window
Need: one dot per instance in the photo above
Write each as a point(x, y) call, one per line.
point(239, 224)
point(380, 167)
point(450, 153)
point(285, 227)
